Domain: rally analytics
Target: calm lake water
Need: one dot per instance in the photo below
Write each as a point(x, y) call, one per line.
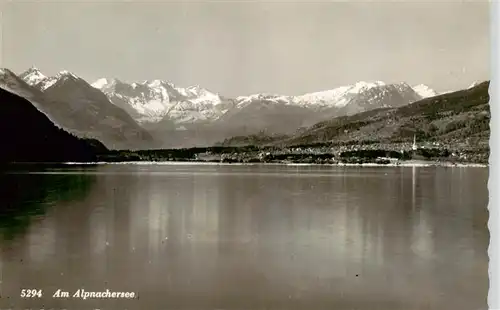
point(247, 237)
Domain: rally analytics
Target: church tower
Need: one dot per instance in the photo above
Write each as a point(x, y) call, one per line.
point(414, 147)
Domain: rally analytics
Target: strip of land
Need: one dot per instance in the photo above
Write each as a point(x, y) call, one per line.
point(392, 154)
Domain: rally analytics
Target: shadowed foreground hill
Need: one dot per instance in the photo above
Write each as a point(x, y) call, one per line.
point(77, 107)
point(458, 117)
point(29, 136)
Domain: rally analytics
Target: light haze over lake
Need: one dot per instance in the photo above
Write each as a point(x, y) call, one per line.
point(247, 237)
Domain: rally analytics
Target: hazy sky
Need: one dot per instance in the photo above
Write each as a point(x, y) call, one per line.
point(240, 48)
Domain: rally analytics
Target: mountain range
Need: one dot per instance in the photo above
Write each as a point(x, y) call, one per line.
point(452, 118)
point(159, 114)
point(153, 101)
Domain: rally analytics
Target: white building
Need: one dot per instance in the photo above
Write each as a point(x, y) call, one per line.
point(414, 147)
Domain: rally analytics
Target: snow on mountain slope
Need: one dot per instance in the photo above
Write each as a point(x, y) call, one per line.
point(381, 96)
point(100, 83)
point(87, 111)
point(32, 76)
point(12, 83)
point(164, 108)
point(336, 97)
point(339, 97)
point(283, 114)
point(424, 91)
point(60, 77)
point(243, 101)
point(151, 101)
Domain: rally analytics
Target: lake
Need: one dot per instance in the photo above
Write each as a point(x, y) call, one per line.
point(246, 237)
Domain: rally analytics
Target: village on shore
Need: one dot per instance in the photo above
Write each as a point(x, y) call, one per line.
point(346, 153)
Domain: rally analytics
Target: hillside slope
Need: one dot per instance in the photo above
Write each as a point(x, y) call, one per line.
point(71, 103)
point(29, 136)
point(457, 117)
point(90, 113)
point(193, 116)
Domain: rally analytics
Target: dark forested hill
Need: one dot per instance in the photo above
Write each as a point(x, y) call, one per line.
point(29, 136)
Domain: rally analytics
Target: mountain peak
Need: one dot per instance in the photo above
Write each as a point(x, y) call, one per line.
point(61, 77)
point(362, 85)
point(5, 71)
point(197, 90)
point(14, 84)
point(100, 83)
point(369, 83)
point(157, 83)
point(33, 68)
point(66, 73)
point(32, 76)
point(194, 88)
point(424, 91)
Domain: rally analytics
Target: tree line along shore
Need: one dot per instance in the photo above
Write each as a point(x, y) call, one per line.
point(310, 154)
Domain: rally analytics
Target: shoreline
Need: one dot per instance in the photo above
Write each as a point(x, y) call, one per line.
point(409, 163)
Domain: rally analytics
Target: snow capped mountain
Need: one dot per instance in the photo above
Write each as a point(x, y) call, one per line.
point(284, 114)
point(338, 97)
point(155, 101)
point(424, 91)
point(32, 76)
point(196, 94)
point(61, 77)
point(380, 96)
point(100, 83)
point(243, 101)
point(12, 83)
point(151, 101)
point(164, 108)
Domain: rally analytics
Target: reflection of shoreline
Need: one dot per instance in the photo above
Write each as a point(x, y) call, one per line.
point(230, 235)
point(27, 196)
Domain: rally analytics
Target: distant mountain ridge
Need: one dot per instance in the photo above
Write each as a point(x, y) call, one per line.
point(152, 101)
point(160, 114)
point(196, 116)
point(456, 117)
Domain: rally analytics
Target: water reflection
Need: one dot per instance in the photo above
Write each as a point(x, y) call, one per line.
point(25, 197)
point(237, 237)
